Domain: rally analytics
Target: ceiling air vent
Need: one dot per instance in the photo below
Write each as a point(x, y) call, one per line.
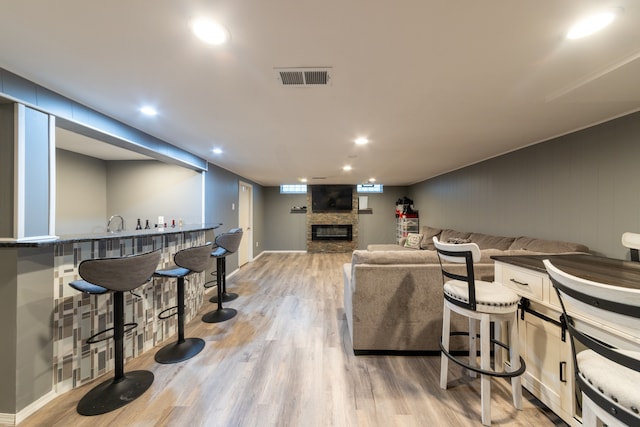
point(304, 76)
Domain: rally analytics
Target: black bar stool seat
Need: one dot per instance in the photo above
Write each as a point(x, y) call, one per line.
point(188, 261)
point(225, 244)
point(117, 275)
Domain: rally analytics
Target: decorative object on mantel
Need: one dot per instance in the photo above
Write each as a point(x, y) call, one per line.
point(298, 209)
point(363, 205)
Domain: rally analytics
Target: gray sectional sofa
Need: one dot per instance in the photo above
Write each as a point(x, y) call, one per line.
point(393, 295)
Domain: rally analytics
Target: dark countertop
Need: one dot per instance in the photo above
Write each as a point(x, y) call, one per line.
point(610, 271)
point(102, 236)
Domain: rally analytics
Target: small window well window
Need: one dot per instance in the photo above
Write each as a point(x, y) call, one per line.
point(293, 189)
point(370, 188)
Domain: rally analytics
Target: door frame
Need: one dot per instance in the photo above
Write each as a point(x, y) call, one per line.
point(245, 212)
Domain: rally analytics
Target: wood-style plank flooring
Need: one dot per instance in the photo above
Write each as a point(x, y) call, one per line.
point(286, 360)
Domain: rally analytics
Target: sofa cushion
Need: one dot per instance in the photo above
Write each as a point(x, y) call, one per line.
point(452, 235)
point(458, 240)
point(361, 256)
point(487, 241)
point(377, 247)
point(546, 246)
point(428, 233)
point(413, 241)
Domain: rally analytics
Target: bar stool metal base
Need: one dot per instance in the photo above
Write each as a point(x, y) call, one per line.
point(219, 315)
point(112, 394)
point(226, 297)
point(179, 351)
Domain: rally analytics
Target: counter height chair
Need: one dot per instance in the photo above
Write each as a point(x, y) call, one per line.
point(225, 245)
point(478, 300)
point(607, 369)
point(187, 261)
point(632, 241)
point(116, 275)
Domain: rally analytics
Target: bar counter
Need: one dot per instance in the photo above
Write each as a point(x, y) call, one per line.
point(86, 237)
point(45, 323)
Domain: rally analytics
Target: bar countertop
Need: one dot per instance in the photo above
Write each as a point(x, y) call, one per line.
point(72, 238)
point(611, 271)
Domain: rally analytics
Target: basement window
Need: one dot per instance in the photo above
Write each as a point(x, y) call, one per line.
point(369, 188)
point(293, 189)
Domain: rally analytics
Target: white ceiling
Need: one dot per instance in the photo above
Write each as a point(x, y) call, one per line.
point(435, 85)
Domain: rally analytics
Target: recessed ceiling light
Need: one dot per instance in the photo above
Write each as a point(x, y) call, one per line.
point(217, 151)
point(148, 111)
point(209, 31)
point(303, 179)
point(372, 180)
point(591, 24)
point(347, 168)
point(361, 140)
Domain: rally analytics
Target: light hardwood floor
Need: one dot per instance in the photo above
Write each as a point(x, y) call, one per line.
point(286, 360)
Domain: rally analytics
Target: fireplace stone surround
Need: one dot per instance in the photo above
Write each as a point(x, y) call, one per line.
point(332, 219)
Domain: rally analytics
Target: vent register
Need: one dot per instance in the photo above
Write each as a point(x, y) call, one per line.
point(304, 77)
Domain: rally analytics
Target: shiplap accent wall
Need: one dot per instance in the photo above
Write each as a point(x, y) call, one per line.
point(583, 187)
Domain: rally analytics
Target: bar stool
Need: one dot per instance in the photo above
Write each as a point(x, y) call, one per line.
point(116, 275)
point(607, 369)
point(632, 241)
point(484, 301)
point(225, 245)
point(187, 261)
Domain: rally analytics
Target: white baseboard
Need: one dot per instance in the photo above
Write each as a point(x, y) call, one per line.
point(15, 419)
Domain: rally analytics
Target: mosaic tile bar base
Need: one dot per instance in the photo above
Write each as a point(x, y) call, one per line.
point(77, 316)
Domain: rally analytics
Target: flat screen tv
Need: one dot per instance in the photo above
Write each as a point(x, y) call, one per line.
point(331, 198)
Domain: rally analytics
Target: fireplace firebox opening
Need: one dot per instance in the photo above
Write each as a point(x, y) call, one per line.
point(331, 232)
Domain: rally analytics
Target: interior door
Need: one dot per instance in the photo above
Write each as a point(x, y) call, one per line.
point(245, 221)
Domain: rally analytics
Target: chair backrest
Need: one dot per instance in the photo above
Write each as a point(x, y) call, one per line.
point(608, 306)
point(230, 240)
point(120, 274)
point(632, 241)
point(459, 253)
point(195, 258)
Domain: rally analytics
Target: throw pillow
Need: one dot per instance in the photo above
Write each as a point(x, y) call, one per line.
point(457, 240)
point(413, 241)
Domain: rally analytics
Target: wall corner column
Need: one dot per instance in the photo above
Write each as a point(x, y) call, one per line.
point(27, 173)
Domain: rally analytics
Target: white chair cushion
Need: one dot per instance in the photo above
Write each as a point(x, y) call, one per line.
point(491, 297)
point(617, 382)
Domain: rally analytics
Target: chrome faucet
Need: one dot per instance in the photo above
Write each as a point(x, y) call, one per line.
point(121, 228)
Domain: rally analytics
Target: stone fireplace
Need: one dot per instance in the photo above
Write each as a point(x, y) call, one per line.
point(332, 231)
